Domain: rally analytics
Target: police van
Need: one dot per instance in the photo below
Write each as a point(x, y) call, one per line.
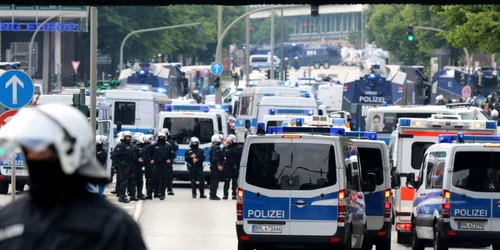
point(414, 136)
point(457, 197)
point(186, 124)
point(222, 116)
point(379, 203)
point(301, 187)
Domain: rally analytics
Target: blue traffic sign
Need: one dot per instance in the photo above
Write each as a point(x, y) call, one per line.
point(95, 188)
point(217, 68)
point(16, 89)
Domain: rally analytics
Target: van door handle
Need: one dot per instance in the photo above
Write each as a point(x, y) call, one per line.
point(299, 203)
point(422, 194)
point(498, 203)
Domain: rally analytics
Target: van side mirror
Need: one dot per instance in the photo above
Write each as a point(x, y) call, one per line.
point(395, 180)
point(247, 124)
point(371, 182)
point(118, 127)
point(410, 181)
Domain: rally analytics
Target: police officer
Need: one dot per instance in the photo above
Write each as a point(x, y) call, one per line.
point(232, 155)
point(216, 160)
point(194, 158)
point(139, 163)
point(175, 147)
point(58, 147)
point(148, 167)
point(162, 157)
point(101, 153)
point(123, 157)
point(114, 167)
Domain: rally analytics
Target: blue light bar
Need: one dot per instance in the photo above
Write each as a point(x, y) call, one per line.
point(362, 134)
point(460, 137)
point(339, 121)
point(298, 121)
point(404, 122)
point(171, 107)
point(290, 112)
point(261, 126)
point(162, 91)
point(307, 130)
point(319, 102)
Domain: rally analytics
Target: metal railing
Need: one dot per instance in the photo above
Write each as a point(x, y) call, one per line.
point(43, 7)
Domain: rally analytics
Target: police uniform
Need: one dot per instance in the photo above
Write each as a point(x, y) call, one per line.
point(123, 156)
point(170, 180)
point(232, 168)
point(216, 160)
point(148, 170)
point(196, 169)
point(139, 153)
point(101, 154)
point(162, 152)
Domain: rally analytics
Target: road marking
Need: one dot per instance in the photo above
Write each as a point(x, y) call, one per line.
point(137, 212)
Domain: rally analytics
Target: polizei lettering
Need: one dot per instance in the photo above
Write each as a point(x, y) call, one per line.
point(471, 212)
point(266, 214)
point(379, 99)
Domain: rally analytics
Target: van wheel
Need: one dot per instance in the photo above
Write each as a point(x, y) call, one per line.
point(440, 243)
point(326, 65)
point(496, 246)
point(316, 65)
point(242, 246)
point(416, 243)
point(384, 245)
point(4, 187)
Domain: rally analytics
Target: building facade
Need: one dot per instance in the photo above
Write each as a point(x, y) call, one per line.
point(333, 23)
point(57, 43)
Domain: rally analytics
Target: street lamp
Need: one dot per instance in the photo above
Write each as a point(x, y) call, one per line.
point(153, 29)
point(36, 32)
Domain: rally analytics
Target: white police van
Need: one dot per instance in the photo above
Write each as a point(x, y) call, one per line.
point(379, 203)
point(458, 193)
point(300, 187)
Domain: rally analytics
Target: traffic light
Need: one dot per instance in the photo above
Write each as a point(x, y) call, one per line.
point(410, 33)
point(53, 78)
point(276, 74)
point(287, 75)
point(268, 74)
point(314, 10)
point(217, 82)
point(74, 79)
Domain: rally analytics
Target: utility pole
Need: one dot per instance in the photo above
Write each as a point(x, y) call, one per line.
point(93, 68)
point(282, 49)
point(247, 50)
point(272, 46)
point(218, 91)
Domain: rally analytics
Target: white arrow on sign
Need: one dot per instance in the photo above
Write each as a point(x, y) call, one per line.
point(93, 188)
point(217, 67)
point(14, 81)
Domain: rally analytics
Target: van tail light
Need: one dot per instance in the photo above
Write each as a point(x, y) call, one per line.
point(342, 206)
point(387, 204)
point(446, 204)
point(239, 204)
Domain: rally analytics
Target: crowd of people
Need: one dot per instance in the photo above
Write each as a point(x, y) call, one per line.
point(490, 104)
point(138, 157)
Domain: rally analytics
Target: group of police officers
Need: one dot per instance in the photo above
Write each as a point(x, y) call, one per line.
point(135, 153)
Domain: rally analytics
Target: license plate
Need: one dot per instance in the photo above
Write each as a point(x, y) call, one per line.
point(266, 229)
point(20, 172)
point(472, 225)
point(179, 167)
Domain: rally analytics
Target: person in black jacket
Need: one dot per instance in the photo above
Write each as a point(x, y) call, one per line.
point(123, 157)
point(59, 213)
point(232, 154)
point(101, 153)
point(148, 168)
point(162, 156)
point(194, 158)
point(170, 180)
point(216, 159)
point(139, 162)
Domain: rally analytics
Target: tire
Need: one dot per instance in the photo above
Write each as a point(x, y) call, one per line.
point(20, 187)
point(496, 246)
point(403, 238)
point(326, 65)
point(384, 245)
point(416, 243)
point(316, 65)
point(242, 246)
point(438, 242)
point(4, 187)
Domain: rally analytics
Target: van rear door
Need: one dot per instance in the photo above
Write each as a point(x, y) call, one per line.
point(314, 186)
point(374, 158)
point(266, 195)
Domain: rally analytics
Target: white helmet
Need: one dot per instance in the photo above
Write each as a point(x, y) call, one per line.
point(100, 139)
point(137, 136)
point(148, 137)
point(61, 126)
point(221, 137)
point(215, 138)
point(494, 113)
point(165, 130)
point(231, 138)
point(124, 134)
point(140, 139)
point(162, 134)
point(194, 139)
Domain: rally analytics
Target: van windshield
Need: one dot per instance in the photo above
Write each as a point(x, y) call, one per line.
point(183, 128)
point(477, 171)
point(371, 160)
point(482, 116)
point(296, 166)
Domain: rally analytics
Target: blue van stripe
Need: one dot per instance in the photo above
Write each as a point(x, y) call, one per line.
point(265, 207)
point(385, 139)
point(375, 203)
point(240, 122)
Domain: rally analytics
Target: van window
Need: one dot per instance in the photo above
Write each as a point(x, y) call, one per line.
point(219, 123)
point(351, 167)
point(438, 171)
point(371, 160)
point(273, 165)
point(182, 129)
point(481, 115)
point(417, 151)
point(260, 59)
point(246, 105)
point(125, 113)
point(386, 122)
point(475, 171)
point(273, 124)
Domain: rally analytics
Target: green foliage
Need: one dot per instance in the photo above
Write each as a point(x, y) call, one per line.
point(261, 33)
point(354, 36)
point(472, 26)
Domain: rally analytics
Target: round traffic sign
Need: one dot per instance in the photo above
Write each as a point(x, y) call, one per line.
point(6, 116)
point(466, 91)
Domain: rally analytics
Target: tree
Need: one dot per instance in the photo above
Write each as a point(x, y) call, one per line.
point(262, 30)
point(475, 26)
point(353, 37)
